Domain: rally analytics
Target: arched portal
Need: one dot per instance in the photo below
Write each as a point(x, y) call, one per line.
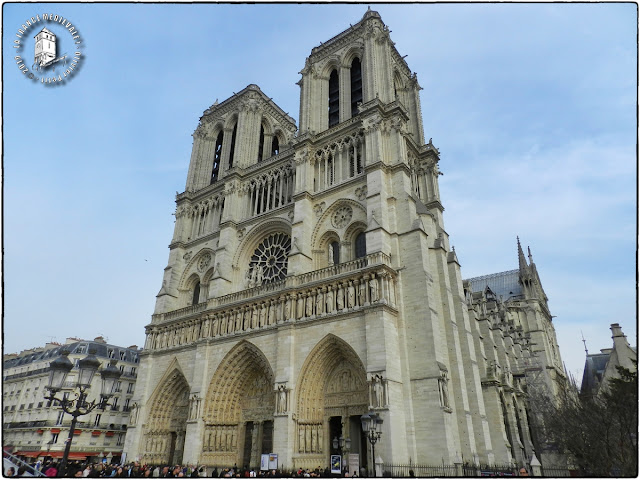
point(239, 409)
point(165, 428)
point(331, 397)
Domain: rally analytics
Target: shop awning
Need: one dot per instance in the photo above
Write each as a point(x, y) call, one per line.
point(30, 454)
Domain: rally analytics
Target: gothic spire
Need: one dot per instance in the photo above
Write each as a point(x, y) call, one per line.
point(522, 263)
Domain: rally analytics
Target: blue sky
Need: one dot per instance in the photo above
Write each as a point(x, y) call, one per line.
point(533, 108)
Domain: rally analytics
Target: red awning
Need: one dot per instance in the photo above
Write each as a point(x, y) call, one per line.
point(55, 430)
point(27, 454)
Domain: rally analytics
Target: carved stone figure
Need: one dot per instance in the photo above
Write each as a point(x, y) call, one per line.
point(301, 445)
point(443, 389)
point(351, 296)
point(287, 309)
point(378, 391)
point(309, 310)
point(362, 292)
point(272, 312)
point(340, 298)
point(254, 317)
point(330, 300)
point(282, 399)
point(263, 315)
point(300, 306)
point(319, 303)
point(373, 285)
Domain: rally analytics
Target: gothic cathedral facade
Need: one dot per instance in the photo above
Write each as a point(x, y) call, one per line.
point(310, 281)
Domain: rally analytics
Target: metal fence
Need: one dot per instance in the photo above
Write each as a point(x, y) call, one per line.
point(555, 472)
point(419, 471)
point(464, 470)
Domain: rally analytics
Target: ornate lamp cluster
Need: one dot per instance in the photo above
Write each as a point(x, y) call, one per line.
point(372, 428)
point(79, 406)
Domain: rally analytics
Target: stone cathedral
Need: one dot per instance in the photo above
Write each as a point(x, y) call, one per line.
point(310, 280)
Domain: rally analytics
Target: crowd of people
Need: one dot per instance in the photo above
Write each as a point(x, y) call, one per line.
point(136, 470)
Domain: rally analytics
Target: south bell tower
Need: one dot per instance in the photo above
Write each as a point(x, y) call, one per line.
point(310, 281)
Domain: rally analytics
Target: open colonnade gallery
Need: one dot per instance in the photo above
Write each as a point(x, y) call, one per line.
point(310, 281)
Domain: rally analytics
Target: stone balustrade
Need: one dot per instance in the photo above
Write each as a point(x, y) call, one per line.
point(336, 290)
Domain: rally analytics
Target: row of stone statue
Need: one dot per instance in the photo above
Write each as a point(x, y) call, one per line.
point(157, 443)
point(220, 438)
point(360, 292)
point(310, 438)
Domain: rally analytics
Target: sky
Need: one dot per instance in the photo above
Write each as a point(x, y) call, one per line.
point(532, 106)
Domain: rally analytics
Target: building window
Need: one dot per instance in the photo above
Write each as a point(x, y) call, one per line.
point(334, 99)
point(270, 260)
point(217, 155)
point(125, 407)
point(96, 422)
point(119, 383)
point(122, 354)
point(54, 438)
point(356, 85)
point(120, 440)
point(275, 146)
point(110, 352)
point(261, 143)
point(133, 370)
point(361, 245)
point(334, 252)
point(130, 388)
point(196, 294)
point(114, 405)
point(60, 418)
point(232, 150)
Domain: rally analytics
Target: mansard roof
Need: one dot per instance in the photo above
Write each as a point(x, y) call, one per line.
point(503, 284)
point(81, 347)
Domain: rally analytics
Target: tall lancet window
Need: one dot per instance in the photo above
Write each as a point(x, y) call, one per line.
point(356, 85)
point(261, 144)
point(275, 146)
point(196, 294)
point(334, 99)
point(232, 150)
point(361, 245)
point(217, 154)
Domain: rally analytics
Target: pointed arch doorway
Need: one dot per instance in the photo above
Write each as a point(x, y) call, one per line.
point(331, 397)
point(166, 424)
point(239, 409)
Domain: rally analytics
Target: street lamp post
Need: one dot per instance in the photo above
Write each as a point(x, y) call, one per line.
point(79, 406)
point(344, 445)
point(372, 428)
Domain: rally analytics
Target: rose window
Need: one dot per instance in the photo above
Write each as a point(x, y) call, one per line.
point(269, 261)
point(342, 216)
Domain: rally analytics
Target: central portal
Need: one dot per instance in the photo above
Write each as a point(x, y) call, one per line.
point(239, 410)
point(332, 396)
